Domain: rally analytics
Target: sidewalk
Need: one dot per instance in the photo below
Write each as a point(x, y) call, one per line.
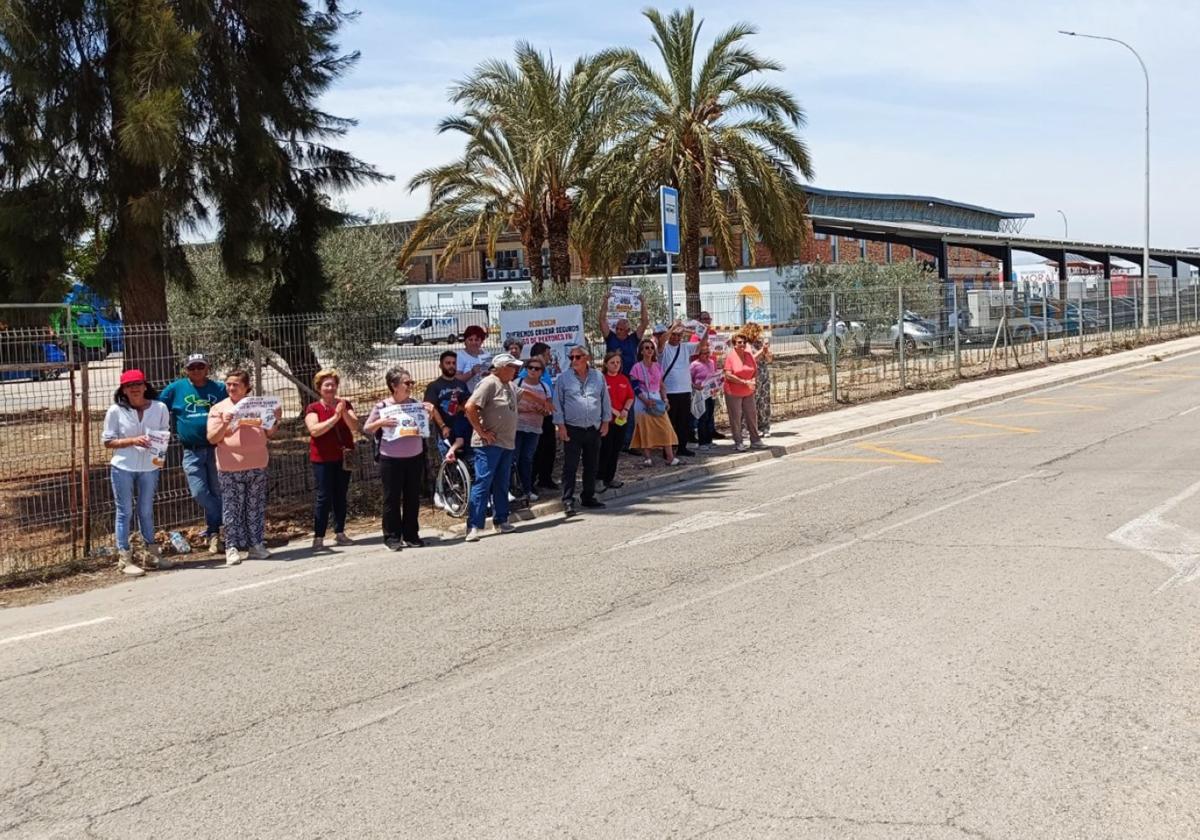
point(791, 436)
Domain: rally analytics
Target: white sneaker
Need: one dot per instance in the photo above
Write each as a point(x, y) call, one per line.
point(259, 552)
point(232, 556)
point(674, 462)
point(341, 539)
point(503, 528)
point(473, 535)
point(126, 565)
point(214, 544)
point(438, 501)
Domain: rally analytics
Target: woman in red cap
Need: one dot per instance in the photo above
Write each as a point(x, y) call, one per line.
point(136, 460)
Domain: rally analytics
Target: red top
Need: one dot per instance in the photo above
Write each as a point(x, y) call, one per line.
point(328, 447)
point(620, 391)
point(743, 368)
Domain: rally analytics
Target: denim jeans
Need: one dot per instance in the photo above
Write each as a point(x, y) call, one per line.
point(200, 467)
point(333, 484)
point(527, 444)
point(493, 470)
point(123, 483)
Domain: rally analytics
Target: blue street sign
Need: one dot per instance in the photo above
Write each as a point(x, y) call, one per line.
point(668, 199)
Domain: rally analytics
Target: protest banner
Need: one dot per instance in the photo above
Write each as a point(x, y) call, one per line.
point(159, 441)
point(624, 302)
point(255, 411)
point(559, 326)
point(412, 420)
point(698, 328)
point(718, 343)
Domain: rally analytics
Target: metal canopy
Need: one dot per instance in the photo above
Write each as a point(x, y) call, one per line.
point(929, 238)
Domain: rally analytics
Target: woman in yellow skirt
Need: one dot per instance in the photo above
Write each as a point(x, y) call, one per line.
point(653, 428)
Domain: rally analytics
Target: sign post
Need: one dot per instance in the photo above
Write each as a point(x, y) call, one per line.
point(668, 201)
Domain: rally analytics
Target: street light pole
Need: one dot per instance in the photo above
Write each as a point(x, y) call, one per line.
point(1146, 246)
point(1066, 230)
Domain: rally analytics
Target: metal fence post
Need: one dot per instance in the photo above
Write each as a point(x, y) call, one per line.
point(1079, 305)
point(1157, 309)
point(832, 349)
point(256, 350)
point(900, 335)
point(1137, 316)
point(85, 477)
point(1112, 339)
point(1178, 319)
point(1045, 331)
point(957, 347)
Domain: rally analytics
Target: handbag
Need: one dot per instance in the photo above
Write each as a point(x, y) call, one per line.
point(699, 404)
point(657, 407)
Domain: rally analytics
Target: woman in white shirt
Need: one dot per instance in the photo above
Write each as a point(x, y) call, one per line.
point(134, 469)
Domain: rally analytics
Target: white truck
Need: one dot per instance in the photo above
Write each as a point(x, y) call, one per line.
point(440, 326)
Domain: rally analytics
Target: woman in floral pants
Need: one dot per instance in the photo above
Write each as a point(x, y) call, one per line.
point(241, 444)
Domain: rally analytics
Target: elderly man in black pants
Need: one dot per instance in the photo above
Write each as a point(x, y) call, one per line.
point(582, 409)
point(675, 356)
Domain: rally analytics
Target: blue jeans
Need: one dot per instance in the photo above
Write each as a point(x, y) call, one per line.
point(527, 444)
point(493, 470)
point(333, 485)
point(200, 467)
point(123, 484)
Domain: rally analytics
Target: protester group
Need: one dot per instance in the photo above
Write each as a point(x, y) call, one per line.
point(652, 395)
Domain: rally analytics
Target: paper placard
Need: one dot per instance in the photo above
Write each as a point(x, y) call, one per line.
point(159, 442)
point(624, 302)
point(412, 420)
point(255, 411)
point(713, 385)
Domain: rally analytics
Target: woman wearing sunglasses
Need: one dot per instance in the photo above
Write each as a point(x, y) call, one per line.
point(127, 424)
point(741, 382)
point(653, 429)
point(533, 407)
point(401, 465)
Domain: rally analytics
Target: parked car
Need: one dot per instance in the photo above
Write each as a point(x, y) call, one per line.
point(444, 326)
point(45, 359)
point(1028, 324)
point(919, 333)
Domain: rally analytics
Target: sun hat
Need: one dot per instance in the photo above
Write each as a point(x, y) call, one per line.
point(131, 376)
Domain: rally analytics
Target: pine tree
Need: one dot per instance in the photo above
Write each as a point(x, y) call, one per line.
point(158, 117)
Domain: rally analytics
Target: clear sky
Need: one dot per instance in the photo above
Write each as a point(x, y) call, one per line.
point(976, 101)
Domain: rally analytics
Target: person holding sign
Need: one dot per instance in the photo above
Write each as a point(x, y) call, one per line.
point(492, 410)
point(332, 425)
point(675, 355)
point(133, 425)
point(620, 396)
point(473, 362)
point(240, 426)
point(404, 424)
point(618, 337)
point(653, 429)
point(704, 369)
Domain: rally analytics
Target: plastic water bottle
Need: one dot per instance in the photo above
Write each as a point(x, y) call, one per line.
point(182, 546)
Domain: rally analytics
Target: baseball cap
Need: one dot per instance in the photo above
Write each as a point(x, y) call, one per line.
point(196, 359)
point(659, 329)
point(506, 360)
point(131, 376)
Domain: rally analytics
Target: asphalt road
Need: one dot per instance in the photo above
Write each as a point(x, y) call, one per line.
point(984, 626)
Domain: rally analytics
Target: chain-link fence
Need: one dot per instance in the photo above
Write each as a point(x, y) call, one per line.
point(829, 348)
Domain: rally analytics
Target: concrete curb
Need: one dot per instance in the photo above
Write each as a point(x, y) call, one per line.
point(1145, 355)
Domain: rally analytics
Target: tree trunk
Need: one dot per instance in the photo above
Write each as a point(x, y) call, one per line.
point(558, 232)
point(689, 256)
point(531, 239)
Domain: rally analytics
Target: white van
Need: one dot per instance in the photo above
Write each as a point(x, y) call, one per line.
point(443, 326)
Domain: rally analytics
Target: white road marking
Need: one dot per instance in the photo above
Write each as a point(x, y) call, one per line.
point(1188, 411)
point(1173, 545)
point(52, 630)
point(274, 580)
point(717, 518)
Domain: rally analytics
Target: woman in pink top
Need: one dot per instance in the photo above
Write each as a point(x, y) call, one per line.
point(242, 470)
point(703, 368)
point(741, 371)
point(653, 428)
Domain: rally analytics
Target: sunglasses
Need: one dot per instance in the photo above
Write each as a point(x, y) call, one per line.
point(574, 356)
point(534, 367)
point(134, 385)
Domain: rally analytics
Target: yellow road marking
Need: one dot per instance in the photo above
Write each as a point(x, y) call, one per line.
point(897, 453)
point(1125, 389)
point(1064, 404)
point(1162, 376)
point(1016, 430)
point(941, 438)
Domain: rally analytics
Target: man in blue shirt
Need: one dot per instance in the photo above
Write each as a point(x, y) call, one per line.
point(582, 411)
point(189, 399)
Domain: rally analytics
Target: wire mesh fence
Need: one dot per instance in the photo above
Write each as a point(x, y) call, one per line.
point(829, 348)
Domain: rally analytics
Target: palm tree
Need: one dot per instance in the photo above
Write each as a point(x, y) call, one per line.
point(533, 139)
point(727, 142)
point(491, 189)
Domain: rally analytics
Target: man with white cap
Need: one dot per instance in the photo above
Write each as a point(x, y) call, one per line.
point(492, 410)
point(189, 398)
